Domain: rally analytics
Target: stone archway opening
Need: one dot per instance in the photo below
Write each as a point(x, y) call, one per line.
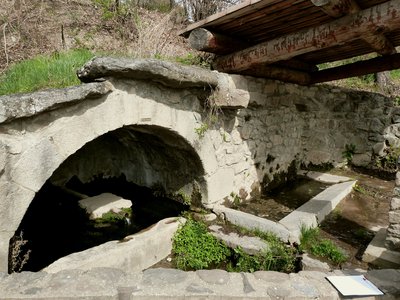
point(153, 167)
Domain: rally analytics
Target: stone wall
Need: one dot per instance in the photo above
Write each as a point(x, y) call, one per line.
point(287, 125)
point(147, 127)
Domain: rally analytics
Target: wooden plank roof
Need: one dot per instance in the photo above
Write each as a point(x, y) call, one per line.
point(246, 36)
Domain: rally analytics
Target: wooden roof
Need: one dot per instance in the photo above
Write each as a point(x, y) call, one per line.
point(287, 39)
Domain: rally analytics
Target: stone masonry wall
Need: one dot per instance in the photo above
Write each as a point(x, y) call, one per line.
point(288, 125)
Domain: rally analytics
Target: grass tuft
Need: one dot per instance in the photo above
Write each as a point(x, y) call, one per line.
point(312, 242)
point(54, 71)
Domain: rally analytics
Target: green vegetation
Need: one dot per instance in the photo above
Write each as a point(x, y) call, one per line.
point(54, 71)
point(389, 161)
point(348, 153)
point(195, 248)
point(279, 257)
point(312, 242)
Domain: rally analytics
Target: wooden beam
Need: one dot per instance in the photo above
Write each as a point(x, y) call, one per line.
point(279, 73)
point(374, 65)
point(296, 64)
point(203, 40)
point(348, 28)
point(338, 8)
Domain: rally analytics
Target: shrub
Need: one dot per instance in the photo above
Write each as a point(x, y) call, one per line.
point(195, 248)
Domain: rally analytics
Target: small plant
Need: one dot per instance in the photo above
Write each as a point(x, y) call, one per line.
point(183, 197)
point(278, 257)
point(358, 188)
point(348, 153)
point(312, 242)
point(195, 248)
point(201, 131)
point(19, 254)
point(236, 200)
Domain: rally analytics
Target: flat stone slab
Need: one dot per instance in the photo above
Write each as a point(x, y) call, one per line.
point(164, 72)
point(323, 177)
point(314, 211)
point(378, 255)
point(110, 283)
point(252, 222)
point(26, 105)
point(249, 244)
point(98, 205)
point(134, 253)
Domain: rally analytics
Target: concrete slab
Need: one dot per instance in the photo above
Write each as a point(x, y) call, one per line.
point(134, 253)
point(98, 205)
point(323, 177)
point(314, 211)
point(377, 255)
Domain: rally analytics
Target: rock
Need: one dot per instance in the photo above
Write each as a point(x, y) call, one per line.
point(166, 73)
point(163, 276)
point(250, 245)
point(310, 264)
point(26, 105)
point(98, 205)
point(214, 276)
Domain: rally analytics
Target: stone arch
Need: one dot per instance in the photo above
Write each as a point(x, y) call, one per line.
point(42, 152)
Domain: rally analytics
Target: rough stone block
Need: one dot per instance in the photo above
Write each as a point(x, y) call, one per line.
point(250, 245)
point(220, 184)
point(394, 217)
point(395, 203)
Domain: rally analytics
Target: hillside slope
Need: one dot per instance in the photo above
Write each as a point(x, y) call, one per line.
point(29, 28)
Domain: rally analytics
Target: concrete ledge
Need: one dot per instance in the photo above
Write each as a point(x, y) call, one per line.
point(252, 222)
point(132, 254)
point(377, 254)
point(109, 283)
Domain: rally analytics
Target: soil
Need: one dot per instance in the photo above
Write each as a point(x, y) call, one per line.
point(357, 218)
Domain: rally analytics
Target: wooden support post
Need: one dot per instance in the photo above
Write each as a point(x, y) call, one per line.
point(203, 40)
point(348, 28)
point(374, 65)
point(338, 8)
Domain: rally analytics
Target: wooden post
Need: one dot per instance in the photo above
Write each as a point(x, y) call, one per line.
point(203, 40)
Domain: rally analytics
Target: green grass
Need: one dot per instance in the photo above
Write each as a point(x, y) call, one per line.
point(312, 242)
point(53, 71)
point(195, 248)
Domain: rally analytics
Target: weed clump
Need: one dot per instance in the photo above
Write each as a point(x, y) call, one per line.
point(312, 242)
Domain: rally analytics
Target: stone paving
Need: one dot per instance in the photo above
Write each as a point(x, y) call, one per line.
point(109, 283)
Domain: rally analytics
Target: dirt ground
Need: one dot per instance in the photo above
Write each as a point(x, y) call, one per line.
point(357, 218)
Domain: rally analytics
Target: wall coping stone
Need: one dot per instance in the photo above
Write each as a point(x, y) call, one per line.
point(25, 105)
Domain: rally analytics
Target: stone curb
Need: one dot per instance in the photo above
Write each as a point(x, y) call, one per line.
point(109, 283)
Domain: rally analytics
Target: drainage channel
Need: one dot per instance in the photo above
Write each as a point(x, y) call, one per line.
point(308, 215)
